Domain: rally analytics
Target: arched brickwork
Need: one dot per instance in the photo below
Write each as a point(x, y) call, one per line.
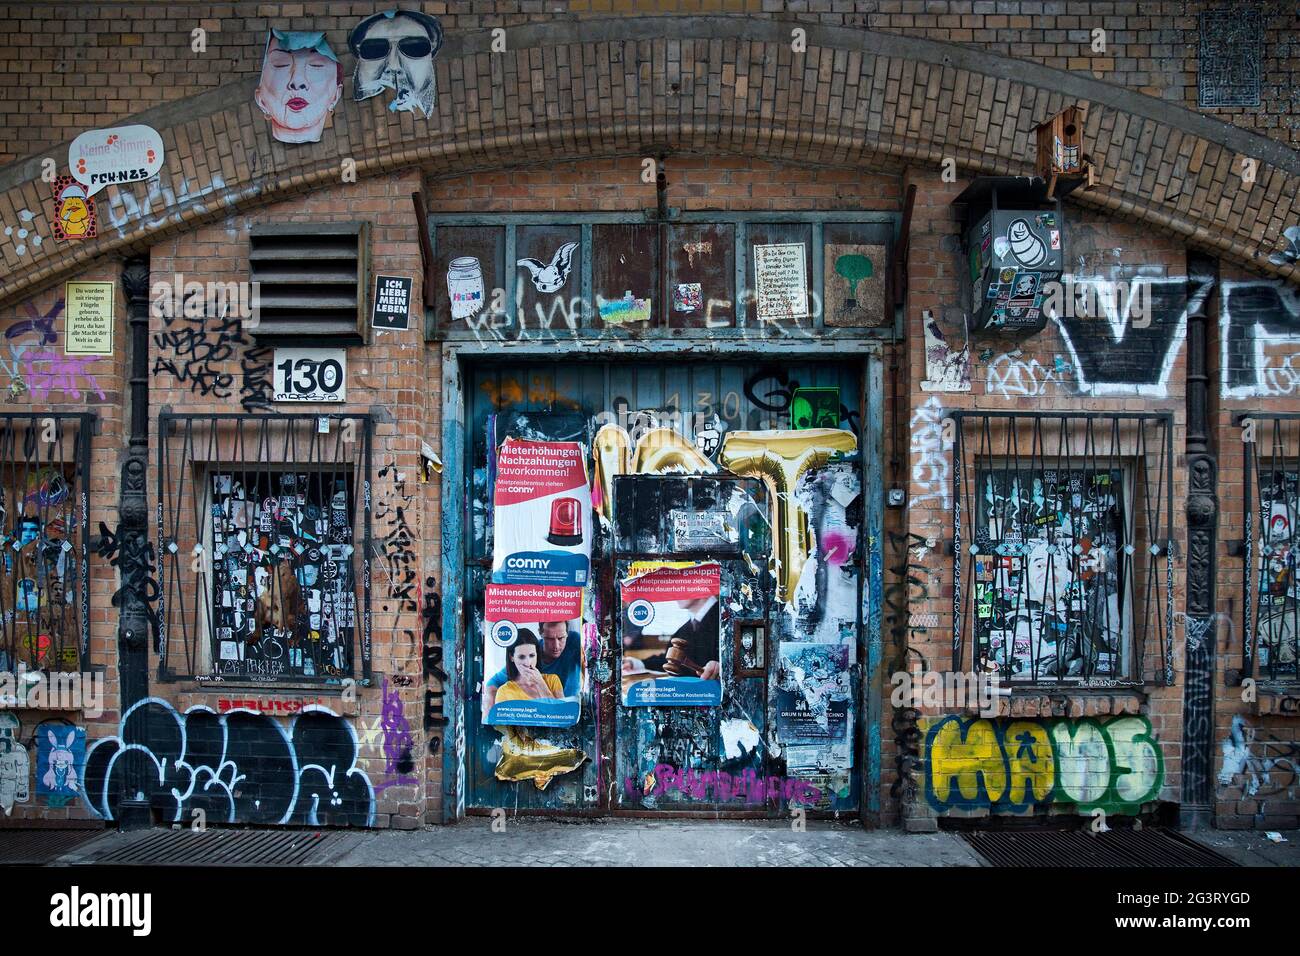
point(566, 90)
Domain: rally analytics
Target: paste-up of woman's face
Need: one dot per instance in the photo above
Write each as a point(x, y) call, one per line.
point(297, 92)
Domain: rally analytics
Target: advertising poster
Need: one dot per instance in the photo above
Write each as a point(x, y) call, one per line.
point(532, 655)
point(671, 636)
point(813, 703)
point(541, 514)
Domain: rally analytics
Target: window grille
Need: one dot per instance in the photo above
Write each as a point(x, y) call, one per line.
point(44, 510)
point(1272, 508)
point(264, 537)
point(1062, 535)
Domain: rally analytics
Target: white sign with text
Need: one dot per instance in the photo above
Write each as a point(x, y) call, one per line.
point(311, 375)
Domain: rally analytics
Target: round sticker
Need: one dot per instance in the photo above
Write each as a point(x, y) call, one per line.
point(640, 613)
point(504, 633)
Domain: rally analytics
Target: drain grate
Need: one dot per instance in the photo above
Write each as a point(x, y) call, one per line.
point(1150, 846)
point(215, 847)
point(40, 846)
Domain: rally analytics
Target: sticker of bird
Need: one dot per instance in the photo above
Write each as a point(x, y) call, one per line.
point(551, 278)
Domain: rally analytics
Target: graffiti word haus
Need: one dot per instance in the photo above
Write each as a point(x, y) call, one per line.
point(881, 416)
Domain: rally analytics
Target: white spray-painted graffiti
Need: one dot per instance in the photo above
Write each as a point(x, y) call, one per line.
point(930, 466)
point(1266, 767)
point(1259, 339)
point(1011, 376)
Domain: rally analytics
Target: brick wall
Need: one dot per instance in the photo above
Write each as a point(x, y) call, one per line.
point(105, 62)
point(395, 374)
point(37, 381)
point(1256, 729)
point(1039, 374)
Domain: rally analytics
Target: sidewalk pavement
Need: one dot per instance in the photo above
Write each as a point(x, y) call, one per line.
point(676, 843)
point(529, 842)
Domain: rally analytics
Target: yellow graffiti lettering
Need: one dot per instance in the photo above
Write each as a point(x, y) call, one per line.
point(969, 755)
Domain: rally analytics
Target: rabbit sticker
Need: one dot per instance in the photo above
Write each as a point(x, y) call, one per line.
point(62, 755)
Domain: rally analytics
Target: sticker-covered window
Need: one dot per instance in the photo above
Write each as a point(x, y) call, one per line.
point(1050, 599)
point(1278, 612)
point(284, 601)
point(44, 510)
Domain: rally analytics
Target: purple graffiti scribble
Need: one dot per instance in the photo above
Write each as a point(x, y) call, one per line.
point(42, 325)
point(747, 786)
point(59, 373)
point(398, 743)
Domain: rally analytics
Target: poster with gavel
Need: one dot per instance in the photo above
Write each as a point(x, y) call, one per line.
point(671, 634)
point(541, 514)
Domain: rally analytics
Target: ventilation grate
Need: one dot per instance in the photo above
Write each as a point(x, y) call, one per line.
point(215, 847)
point(1148, 847)
point(311, 279)
point(40, 846)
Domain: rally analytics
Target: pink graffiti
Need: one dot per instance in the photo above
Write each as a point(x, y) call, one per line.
point(58, 372)
point(747, 786)
point(837, 546)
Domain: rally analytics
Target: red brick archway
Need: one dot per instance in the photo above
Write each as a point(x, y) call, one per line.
point(642, 86)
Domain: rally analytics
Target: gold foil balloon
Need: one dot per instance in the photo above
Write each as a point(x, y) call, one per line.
point(663, 451)
point(527, 758)
point(779, 458)
point(613, 449)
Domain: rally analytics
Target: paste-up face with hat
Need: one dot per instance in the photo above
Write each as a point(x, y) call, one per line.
point(301, 82)
point(395, 51)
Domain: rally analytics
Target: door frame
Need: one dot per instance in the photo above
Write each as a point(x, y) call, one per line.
point(458, 357)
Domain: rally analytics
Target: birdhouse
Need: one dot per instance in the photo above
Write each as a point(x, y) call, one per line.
point(1061, 160)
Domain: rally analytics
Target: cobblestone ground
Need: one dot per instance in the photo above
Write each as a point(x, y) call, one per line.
point(656, 843)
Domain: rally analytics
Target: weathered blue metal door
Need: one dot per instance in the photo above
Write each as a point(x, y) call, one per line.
point(747, 475)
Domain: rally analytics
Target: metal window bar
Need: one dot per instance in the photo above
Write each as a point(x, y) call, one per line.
point(264, 542)
point(1271, 608)
point(1069, 517)
point(44, 511)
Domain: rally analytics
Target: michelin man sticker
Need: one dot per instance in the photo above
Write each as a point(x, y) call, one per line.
point(1025, 245)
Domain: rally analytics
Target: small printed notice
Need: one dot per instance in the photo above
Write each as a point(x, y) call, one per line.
point(88, 323)
point(781, 281)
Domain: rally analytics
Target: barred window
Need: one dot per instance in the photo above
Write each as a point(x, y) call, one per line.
point(44, 507)
point(1050, 590)
point(1062, 528)
point(265, 532)
point(1273, 486)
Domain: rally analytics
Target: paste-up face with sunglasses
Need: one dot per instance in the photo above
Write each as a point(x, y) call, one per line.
point(395, 51)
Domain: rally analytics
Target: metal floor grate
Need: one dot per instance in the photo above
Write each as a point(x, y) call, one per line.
point(216, 847)
point(40, 845)
point(1150, 846)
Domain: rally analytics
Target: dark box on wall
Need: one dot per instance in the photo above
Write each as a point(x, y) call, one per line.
point(1015, 250)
